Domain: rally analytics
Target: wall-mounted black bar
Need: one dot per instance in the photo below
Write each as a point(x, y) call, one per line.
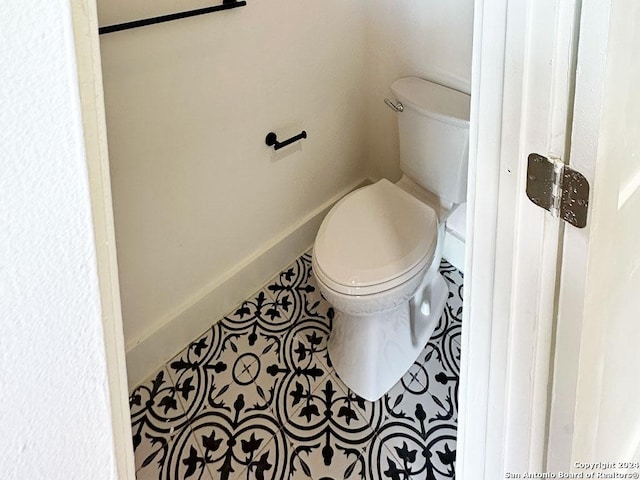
point(226, 5)
point(272, 140)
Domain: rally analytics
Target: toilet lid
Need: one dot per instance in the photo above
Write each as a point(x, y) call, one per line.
point(375, 236)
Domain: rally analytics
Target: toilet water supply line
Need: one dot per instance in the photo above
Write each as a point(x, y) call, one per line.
point(418, 302)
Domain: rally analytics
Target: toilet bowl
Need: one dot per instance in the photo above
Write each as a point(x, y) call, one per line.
point(378, 250)
point(376, 261)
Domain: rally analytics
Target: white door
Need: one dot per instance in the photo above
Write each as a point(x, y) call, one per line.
point(595, 407)
point(524, 56)
point(548, 304)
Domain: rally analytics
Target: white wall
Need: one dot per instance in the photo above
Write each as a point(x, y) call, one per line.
point(197, 194)
point(54, 392)
point(189, 103)
point(427, 38)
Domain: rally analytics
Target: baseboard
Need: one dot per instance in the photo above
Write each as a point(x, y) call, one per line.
point(151, 352)
point(453, 250)
point(454, 246)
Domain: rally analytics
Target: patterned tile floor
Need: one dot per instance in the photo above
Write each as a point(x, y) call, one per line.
point(256, 398)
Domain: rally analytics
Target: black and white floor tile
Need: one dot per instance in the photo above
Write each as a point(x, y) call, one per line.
point(256, 397)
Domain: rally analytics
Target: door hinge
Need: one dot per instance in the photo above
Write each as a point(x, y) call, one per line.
point(558, 188)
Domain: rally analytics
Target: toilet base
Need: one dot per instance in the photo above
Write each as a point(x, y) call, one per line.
point(371, 353)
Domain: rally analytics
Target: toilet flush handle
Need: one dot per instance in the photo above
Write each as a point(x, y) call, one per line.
point(398, 107)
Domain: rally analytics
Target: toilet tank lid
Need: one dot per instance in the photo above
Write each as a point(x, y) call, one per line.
point(433, 100)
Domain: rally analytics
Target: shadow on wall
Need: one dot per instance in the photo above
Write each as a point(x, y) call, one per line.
point(429, 39)
point(197, 194)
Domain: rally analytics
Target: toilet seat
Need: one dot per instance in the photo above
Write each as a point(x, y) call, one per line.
point(375, 239)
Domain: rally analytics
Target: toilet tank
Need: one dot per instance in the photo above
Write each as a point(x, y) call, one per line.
point(434, 136)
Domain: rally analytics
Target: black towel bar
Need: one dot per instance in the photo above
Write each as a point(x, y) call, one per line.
point(226, 5)
point(272, 140)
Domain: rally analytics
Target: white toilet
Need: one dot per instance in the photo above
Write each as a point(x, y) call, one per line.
point(378, 250)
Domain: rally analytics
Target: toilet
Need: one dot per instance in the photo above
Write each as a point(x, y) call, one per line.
point(377, 252)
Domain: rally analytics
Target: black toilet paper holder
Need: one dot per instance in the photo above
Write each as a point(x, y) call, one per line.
point(272, 140)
